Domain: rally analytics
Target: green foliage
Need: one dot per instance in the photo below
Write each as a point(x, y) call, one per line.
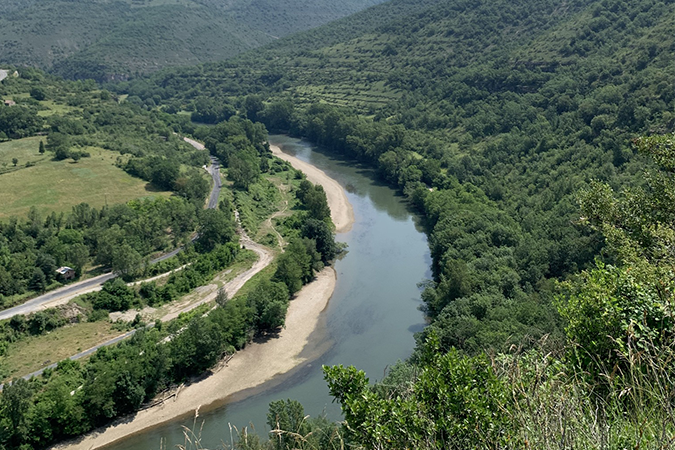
point(200, 271)
point(454, 402)
point(269, 301)
point(207, 110)
point(36, 324)
point(15, 403)
point(252, 106)
point(19, 121)
point(313, 198)
point(297, 265)
point(215, 227)
point(126, 261)
point(243, 170)
point(612, 310)
point(256, 204)
point(288, 416)
point(319, 231)
point(118, 237)
point(114, 296)
point(38, 94)
point(106, 40)
point(59, 144)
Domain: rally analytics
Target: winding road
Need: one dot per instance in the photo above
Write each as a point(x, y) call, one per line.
point(265, 257)
point(66, 293)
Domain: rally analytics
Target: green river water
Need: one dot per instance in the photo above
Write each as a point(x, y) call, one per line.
point(369, 322)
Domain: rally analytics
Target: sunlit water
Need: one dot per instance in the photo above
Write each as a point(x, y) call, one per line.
point(369, 322)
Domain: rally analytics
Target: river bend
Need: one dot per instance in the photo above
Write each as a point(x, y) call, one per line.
point(369, 322)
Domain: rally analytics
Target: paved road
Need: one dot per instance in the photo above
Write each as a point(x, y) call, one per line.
point(232, 287)
point(91, 284)
point(66, 291)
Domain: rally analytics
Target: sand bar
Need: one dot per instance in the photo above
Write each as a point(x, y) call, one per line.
point(341, 210)
point(249, 368)
point(258, 363)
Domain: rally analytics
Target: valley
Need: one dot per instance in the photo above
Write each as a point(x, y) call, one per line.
point(113, 40)
point(499, 174)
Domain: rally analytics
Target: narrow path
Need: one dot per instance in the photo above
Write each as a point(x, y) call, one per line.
point(265, 257)
point(280, 238)
point(251, 367)
point(66, 293)
point(157, 277)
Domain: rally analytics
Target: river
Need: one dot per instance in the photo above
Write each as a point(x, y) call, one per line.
point(369, 322)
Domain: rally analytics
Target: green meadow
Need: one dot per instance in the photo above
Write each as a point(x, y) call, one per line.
point(59, 185)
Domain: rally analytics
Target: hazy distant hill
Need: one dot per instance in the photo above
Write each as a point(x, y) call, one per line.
point(106, 39)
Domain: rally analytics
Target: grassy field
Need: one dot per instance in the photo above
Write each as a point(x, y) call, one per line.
point(31, 354)
point(55, 108)
point(59, 185)
point(25, 150)
point(264, 275)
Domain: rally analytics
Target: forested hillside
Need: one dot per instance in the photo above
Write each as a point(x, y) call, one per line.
point(506, 110)
point(108, 39)
point(84, 183)
point(496, 119)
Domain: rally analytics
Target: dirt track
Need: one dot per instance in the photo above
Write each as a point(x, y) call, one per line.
point(258, 363)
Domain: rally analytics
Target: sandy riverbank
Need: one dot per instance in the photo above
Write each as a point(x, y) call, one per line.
point(258, 363)
point(253, 366)
point(341, 210)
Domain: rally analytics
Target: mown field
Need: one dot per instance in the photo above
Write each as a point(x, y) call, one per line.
point(29, 355)
point(59, 185)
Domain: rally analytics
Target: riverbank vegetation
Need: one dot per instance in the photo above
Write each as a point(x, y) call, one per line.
point(33, 413)
point(42, 410)
point(508, 125)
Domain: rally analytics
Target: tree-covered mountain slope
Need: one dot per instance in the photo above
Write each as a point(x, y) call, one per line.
point(512, 126)
point(107, 39)
point(504, 109)
point(421, 47)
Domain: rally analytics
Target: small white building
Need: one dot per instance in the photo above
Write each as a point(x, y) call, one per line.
point(66, 273)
